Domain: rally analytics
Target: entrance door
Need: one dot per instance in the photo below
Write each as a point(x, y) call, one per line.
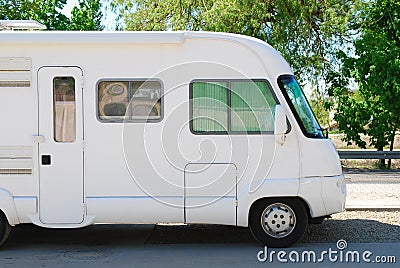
point(61, 154)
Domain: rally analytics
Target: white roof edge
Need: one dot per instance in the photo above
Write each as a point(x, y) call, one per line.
point(224, 36)
point(68, 37)
point(156, 37)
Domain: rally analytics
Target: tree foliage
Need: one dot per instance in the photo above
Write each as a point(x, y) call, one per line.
point(374, 109)
point(87, 17)
point(307, 33)
point(48, 12)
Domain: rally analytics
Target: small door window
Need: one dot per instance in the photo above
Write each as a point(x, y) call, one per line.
point(64, 109)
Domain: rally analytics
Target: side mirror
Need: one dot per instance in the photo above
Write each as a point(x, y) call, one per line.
point(280, 124)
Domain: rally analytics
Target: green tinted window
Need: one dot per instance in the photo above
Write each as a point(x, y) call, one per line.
point(232, 106)
point(252, 105)
point(210, 110)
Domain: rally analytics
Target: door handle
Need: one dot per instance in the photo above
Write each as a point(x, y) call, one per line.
point(46, 160)
point(36, 138)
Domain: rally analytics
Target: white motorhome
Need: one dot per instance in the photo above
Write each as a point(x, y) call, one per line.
point(150, 127)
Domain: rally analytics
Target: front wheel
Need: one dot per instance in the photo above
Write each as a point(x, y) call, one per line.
point(278, 222)
point(5, 228)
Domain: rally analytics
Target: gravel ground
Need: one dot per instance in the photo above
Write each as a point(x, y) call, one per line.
point(372, 188)
point(373, 195)
point(357, 227)
point(352, 226)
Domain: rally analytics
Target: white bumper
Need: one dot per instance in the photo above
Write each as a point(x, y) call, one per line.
point(334, 194)
point(324, 195)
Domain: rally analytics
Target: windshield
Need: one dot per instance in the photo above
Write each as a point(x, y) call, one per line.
point(302, 109)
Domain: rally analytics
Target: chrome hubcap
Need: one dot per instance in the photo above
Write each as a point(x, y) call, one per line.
point(278, 220)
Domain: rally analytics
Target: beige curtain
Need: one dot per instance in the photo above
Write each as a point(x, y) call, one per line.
point(64, 121)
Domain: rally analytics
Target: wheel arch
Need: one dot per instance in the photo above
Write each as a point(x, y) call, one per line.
point(7, 207)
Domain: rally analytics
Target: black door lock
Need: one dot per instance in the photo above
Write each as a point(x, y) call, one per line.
point(46, 160)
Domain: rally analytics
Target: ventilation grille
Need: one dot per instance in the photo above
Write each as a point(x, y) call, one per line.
point(5, 171)
point(15, 83)
point(15, 72)
point(16, 161)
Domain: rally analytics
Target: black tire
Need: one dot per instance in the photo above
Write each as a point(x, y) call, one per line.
point(278, 223)
point(5, 229)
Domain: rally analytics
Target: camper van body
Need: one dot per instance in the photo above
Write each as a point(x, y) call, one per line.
point(68, 161)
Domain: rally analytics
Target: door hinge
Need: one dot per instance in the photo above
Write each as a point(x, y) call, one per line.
point(236, 202)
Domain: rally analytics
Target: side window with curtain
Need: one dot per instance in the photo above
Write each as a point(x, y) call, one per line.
point(232, 106)
point(113, 99)
point(129, 101)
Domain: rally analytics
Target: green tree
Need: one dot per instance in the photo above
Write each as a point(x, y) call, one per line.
point(374, 109)
point(87, 17)
point(317, 102)
point(48, 12)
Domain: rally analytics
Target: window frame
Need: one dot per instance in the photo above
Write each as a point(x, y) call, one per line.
point(229, 103)
point(137, 120)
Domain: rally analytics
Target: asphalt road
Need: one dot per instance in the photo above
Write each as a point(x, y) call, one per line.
point(170, 246)
point(372, 176)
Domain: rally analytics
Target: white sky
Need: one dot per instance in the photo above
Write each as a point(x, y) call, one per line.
point(68, 7)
